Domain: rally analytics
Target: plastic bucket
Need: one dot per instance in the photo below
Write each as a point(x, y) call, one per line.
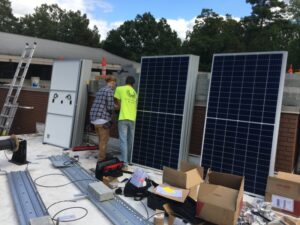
point(35, 82)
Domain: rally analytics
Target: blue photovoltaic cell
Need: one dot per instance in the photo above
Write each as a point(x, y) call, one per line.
point(160, 111)
point(241, 114)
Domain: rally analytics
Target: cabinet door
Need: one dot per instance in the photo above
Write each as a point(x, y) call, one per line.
point(62, 103)
point(65, 75)
point(58, 130)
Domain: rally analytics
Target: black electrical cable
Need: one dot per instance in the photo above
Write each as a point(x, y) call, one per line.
point(72, 220)
point(154, 215)
point(55, 203)
point(145, 209)
point(173, 214)
point(56, 186)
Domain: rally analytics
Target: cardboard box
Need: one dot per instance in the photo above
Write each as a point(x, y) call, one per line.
point(171, 192)
point(283, 190)
point(187, 179)
point(220, 198)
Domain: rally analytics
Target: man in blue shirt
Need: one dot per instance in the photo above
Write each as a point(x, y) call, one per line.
point(101, 114)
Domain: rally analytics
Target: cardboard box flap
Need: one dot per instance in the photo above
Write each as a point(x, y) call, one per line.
point(186, 166)
point(288, 176)
point(217, 195)
point(224, 179)
point(171, 192)
point(182, 179)
point(174, 177)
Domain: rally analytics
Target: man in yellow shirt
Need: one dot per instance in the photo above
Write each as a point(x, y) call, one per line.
point(127, 100)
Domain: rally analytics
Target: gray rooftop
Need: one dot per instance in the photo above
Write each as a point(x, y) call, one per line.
point(12, 44)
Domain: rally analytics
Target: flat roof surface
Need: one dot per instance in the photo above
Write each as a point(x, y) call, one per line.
point(37, 154)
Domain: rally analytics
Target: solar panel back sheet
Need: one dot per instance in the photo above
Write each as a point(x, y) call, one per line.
point(243, 114)
point(165, 107)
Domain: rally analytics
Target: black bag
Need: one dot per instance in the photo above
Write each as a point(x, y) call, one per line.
point(109, 167)
point(138, 193)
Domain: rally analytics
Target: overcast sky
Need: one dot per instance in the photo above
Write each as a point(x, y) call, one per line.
point(109, 14)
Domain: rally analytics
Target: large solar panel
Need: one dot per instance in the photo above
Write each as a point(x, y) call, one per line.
point(165, 107)
point(242, 117)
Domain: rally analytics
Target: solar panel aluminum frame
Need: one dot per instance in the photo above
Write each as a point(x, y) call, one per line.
point(188, 110)
point(278, 107)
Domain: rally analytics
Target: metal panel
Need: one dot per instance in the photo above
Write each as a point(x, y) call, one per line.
point(58, 130)
point(165, 107)
point(27, 201)
point(65, 75)
point(68, 96)
point(82, 99)
point(116, 210)
point(242, 116)
point(62, 102)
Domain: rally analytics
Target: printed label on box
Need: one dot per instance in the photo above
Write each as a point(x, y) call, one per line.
point(283, 203)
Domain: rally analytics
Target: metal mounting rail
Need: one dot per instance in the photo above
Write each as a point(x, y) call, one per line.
point(116, 210)
point(27, 201)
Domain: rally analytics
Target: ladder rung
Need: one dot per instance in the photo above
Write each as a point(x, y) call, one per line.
point(6, 116)
point(10, 105)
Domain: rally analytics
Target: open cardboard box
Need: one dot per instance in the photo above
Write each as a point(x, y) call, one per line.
point(283, 190)
point(220, 198)
point(187, 179)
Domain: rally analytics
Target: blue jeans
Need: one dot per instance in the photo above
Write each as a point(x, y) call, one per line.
point(126, 130)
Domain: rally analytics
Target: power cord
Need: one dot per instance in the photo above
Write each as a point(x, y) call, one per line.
point(57, 220)
point(145, 209)
point(70, 220)
point(56, 186)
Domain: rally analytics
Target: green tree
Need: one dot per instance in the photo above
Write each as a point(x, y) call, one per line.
point(52, 22)
point(266, 11)
point(43, 23)
point(142, 36)
point(213, 34)
point(8, 23)
point(74, 28)
point(294, 8)
point(267, 28)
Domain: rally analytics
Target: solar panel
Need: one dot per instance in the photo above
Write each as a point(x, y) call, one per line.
point(242, 117)
point(165, 107)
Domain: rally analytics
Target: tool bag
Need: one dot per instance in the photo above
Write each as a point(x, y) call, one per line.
point(138, 193)
point(109, 167)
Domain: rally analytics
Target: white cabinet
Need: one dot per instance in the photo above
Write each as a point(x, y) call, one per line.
point(67, 103)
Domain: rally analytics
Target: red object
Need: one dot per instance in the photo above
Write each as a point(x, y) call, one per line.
point(199, 207)
point(103, 64)
point(115, 166)
point(84, 148)
point(297, 208)
point(290, 71)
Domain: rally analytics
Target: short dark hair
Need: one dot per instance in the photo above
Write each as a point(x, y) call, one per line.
point(130, 80)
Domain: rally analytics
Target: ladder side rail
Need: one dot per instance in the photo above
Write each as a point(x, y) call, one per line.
point(21, 61)
point(24, 75)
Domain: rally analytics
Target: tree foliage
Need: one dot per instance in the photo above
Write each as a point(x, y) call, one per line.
point(213, 34)
point(294, 9)
point(142, 36)
point(52, 22)
point(8, 23)
point(271, 26)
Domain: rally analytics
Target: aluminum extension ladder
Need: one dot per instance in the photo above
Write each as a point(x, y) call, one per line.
point(11, 105)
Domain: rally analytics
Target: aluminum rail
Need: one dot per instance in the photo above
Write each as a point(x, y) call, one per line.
point(27, 201)
point(116, 210)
